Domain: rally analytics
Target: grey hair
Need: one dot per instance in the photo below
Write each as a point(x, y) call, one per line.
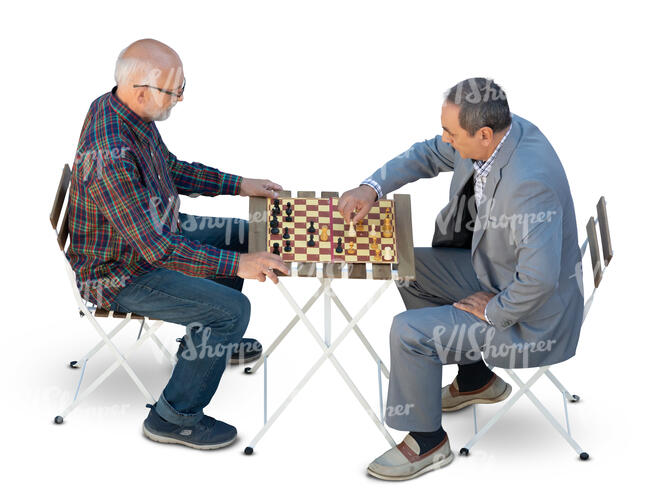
point(482, 103)
point(127, 68)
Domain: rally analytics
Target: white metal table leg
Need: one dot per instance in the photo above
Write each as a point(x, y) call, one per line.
point(287, 329)
point(359, 333)
point(327, 353)
point(327, 311)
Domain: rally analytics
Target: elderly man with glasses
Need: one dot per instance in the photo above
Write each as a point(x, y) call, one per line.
point(133, 251)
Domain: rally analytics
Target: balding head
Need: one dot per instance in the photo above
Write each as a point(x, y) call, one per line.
point(148, 62)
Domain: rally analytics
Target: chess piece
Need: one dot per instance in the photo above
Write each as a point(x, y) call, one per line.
point(360, 226)
point(276, 248)
point(339, 246)
point(276, 210)
point(288, 212)
point(351, 232)
point(286, 233)
point(373, 232)
point(323, 233)
point(374, 244)
point(388, 254)
point(274, 225)
point(387, 229)
point(311, 228)
point(287, 246)
point(352, 248)
point(377, 256)
point(311, 241)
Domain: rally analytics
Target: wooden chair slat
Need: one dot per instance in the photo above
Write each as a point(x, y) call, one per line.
point(61, 191)
point(594, 250)
point(64, 231)
point(603, 223)
point(306, 193)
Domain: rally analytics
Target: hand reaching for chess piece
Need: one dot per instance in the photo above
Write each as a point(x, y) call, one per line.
point(260, 265)
point(355, 204)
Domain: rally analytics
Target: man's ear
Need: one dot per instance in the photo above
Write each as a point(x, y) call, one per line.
point(139, 96)
point(486, 135)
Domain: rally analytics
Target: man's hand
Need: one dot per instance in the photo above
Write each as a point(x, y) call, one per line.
point(255, 187)
point(475, 304)
point(357, 201)
point(259, 266)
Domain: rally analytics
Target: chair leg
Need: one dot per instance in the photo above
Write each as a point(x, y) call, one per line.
point(98, 346)
point(545, 412)
point(119, 361)
point(570, 397)
point(505, 408)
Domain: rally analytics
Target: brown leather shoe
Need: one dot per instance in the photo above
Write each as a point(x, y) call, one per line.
point(496, 390)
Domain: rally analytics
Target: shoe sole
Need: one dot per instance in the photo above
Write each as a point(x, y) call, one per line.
point(472, 401)
point(433, 466)
point(167, 440)
point(244, 360)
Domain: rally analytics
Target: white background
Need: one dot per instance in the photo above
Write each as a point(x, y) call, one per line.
point(316, 96)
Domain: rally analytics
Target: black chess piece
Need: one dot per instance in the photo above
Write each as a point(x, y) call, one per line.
point(287, 246)
point(311, 241)
point(311, 229)
point(276, 248)
point(339, 246)
point(286, 233)
point(276, 210)
point(274, 225)
point(288, 212)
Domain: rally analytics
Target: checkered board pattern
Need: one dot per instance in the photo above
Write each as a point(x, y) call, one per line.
point(322, 211)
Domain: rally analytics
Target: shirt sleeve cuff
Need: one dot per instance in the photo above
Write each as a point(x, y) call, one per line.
point(230, 184)
point(486, 316)
point(377, 188)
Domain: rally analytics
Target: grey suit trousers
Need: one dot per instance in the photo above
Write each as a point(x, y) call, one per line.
point(430, 334)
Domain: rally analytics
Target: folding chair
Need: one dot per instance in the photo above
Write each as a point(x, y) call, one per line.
point(91, 313)
point(524, 387)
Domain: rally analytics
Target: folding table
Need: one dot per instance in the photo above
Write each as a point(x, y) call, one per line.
point(325, 273)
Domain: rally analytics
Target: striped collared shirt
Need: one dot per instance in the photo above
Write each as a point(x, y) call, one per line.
point(482, 170)
point(124, 202)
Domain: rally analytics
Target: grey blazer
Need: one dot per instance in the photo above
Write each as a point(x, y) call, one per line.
point(524, 242)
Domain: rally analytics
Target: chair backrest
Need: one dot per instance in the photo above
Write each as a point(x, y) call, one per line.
point(59, 198)
point(594, 249)
point(592, 239)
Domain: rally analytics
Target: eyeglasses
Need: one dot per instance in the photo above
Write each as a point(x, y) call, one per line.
point(171, 93)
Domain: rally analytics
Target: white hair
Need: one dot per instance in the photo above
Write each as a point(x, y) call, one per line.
point(126, 70)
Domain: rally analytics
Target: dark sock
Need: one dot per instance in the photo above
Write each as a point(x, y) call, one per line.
point(473, 376)
point(427, 440)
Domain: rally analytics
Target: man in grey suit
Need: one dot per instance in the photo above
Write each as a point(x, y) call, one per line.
point(502, 276)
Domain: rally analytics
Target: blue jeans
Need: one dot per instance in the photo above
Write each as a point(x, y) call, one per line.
point(214, 312)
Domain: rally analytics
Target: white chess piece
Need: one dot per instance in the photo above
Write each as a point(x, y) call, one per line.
point(388, 253)
point(351, 232)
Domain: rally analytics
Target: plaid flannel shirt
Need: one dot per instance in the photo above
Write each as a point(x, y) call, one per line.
point(124, 202)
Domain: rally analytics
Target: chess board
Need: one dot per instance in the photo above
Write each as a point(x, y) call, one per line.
point(323, 212)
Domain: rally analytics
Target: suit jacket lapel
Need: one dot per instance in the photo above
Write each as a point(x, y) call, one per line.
point(500, 161)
